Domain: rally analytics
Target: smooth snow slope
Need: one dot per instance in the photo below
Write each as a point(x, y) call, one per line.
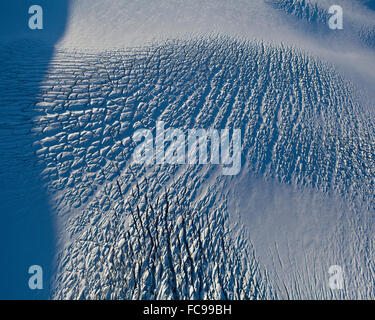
point(304, 197)
point(27, 234)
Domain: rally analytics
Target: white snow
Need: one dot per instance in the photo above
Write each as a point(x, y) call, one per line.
point(300, 93)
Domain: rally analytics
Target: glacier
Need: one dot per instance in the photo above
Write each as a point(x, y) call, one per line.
point(108, 228)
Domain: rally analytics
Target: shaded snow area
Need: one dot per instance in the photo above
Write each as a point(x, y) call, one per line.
point(106, 227)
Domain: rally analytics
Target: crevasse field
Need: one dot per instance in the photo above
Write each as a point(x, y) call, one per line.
point(101, 226)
